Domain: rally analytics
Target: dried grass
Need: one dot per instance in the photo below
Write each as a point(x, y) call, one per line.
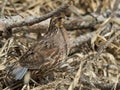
point(105, 69)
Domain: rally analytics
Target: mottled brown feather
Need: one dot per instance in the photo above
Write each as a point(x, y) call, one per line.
point(50, 50)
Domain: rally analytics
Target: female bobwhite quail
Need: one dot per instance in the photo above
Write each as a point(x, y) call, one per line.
point(48, 52)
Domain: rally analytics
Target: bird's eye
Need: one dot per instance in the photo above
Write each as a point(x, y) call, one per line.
point(59, 18)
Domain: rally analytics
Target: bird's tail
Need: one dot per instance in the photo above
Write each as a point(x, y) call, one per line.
point(19, 73)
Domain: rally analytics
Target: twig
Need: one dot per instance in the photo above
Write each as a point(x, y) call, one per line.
point(30, 21)
point(77, 77)
point(70, 25)
point(106, 45)
point(102, 86)
point(3, 7)
point(10, 1)
point(81, 39)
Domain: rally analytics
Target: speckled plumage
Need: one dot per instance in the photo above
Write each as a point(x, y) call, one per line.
point(50, 50)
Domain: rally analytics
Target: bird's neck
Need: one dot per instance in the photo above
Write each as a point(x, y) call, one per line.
point(66, 39)
point(51, 31)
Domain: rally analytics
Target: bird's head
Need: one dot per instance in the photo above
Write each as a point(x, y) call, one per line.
point(57, 20)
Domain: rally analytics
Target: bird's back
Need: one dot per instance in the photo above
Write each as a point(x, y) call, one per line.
point(49, 51)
